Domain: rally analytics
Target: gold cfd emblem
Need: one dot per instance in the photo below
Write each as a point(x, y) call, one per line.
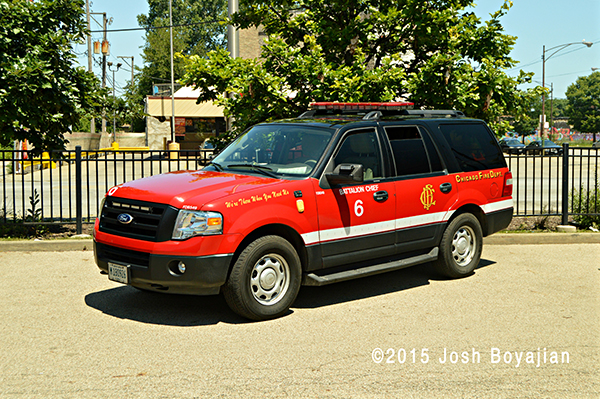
point(427, 197)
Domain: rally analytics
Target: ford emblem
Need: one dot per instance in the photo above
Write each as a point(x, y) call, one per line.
point(125, 218)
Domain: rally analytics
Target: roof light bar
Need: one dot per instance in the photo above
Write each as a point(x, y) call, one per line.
point(361, 106)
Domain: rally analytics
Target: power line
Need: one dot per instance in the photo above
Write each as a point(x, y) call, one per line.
point(160, 27)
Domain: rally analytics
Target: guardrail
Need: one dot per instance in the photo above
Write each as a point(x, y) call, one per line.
point(67, 187)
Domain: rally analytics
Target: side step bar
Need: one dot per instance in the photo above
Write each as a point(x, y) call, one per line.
point(315, 280)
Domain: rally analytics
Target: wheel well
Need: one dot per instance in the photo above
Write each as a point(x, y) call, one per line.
point(280, 230)
point(475, 211)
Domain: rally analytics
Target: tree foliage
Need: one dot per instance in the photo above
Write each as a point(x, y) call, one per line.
point(584, 103)
point(42, 93)
point(529, 121)
point(195, 31)
point(433, 53)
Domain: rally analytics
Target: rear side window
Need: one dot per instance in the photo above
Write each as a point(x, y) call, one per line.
point(411, 154)
point(473, 146)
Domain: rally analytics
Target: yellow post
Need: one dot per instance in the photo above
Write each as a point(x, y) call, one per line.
point(47, 164)
point(174, 147)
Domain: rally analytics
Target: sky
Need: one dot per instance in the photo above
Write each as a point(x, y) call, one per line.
point(536, 23)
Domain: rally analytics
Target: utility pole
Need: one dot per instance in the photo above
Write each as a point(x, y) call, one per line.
point(131, 84)
point(233, 41)
point(172, 73)
point(233, 36)
point(114, 99)
point(104, 70)
point(544, 59)
point(89, 47)
point(551, 106)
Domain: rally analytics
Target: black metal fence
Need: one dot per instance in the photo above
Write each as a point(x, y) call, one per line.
point(564, 184)
point(68, 186)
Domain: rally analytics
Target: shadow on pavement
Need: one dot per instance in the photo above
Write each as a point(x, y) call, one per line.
point(164, 309)
point(380, 284)
point(189, 311)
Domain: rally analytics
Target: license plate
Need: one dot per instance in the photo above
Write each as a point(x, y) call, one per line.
point(118, 273)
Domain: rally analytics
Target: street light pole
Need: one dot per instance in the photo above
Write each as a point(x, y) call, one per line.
point(114, 99)
point(544, 59)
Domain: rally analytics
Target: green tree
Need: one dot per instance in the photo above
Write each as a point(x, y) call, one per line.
point(559, 108)
point(195, 31)
point(433, 53)
point(201, 22)
point(583, 109)
point(42, 93)
point(529, 120)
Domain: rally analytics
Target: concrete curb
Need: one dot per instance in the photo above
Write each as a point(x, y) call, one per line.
point(541, 238)
point(47, 245)
point(495, 239)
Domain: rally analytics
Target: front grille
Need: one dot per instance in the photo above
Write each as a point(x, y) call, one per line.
point(149, 221)
point(109, 253)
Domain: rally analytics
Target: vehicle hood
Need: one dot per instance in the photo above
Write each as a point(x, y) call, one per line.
point(188, 187)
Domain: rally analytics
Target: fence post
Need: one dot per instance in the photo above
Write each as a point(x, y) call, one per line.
point(78, 196)
point(565, 185)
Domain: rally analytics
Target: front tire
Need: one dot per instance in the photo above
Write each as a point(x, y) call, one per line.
point(460, 248)
point(264, 280)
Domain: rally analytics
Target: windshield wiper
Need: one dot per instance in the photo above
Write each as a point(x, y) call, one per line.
point(265, 170)
point(216, 165)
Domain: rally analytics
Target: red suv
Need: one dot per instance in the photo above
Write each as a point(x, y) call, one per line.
point(343, 191)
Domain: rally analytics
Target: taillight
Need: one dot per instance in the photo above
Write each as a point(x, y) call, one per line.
point(508, 185)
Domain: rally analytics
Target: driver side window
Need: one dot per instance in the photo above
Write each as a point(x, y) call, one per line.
point(362, 148)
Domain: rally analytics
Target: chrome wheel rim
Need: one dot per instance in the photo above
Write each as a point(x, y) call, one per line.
point(463, 246)
point(269, 279)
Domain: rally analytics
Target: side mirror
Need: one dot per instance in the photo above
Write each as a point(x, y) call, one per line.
point(346, 173)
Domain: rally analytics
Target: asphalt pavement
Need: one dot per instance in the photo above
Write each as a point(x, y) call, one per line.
point(526, 324)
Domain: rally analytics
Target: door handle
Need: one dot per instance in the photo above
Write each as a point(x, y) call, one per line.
point(380, 196)
point(446, 187)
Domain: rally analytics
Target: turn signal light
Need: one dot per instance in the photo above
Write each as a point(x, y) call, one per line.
point(213, 221)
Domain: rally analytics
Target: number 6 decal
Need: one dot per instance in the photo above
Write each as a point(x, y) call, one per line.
point(358, 208)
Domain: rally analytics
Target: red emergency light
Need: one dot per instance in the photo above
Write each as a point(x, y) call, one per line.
point(392, 106)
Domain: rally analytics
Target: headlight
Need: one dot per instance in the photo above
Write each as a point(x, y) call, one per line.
point(197, 223)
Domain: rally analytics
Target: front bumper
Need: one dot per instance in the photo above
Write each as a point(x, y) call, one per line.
point(204, 275)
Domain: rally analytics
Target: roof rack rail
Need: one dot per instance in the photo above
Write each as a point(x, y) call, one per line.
point(448, 113)
point(372, 115)
point(375, 111)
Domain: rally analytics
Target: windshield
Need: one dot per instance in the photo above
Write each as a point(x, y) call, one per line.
point(276, 150)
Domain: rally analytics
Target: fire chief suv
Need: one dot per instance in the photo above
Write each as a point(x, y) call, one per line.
point(343, 191)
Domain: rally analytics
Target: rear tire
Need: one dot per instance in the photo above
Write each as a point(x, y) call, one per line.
point(264, 280)
point(460, 248)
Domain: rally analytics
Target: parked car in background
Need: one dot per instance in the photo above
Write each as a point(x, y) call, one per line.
point(511, 145)
point(544, 147)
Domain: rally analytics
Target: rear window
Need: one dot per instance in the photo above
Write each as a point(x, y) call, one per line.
point(411, 155)
point(473, 146)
